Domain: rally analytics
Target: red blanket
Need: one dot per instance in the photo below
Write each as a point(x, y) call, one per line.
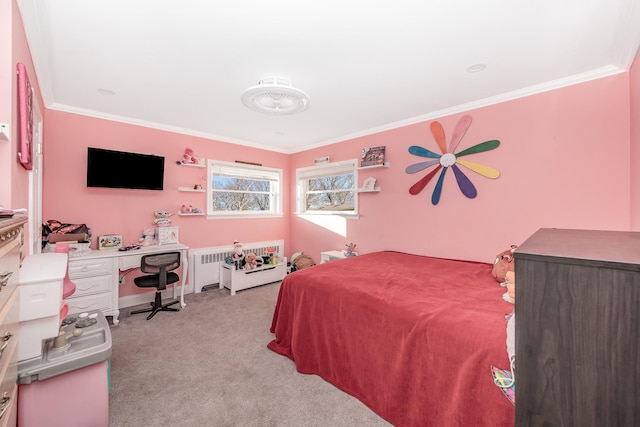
point(412, 337)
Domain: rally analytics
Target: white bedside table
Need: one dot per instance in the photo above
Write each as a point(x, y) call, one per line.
point(332, 256)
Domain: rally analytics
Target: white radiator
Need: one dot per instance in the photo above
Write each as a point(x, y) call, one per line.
point(204, 263)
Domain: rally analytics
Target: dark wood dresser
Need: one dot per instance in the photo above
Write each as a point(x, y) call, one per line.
point(578, 329)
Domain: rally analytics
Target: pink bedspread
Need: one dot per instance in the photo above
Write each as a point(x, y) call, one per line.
point(412, 337)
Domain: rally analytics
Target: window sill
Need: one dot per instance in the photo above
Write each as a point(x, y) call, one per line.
point(344, 215)
point(248, 216)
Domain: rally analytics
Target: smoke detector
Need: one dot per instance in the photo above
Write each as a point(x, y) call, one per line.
point(275, 95)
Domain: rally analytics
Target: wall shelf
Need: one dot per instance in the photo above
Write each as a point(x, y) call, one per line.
point(192, 165)
point(191, 190)
point(369, 190)
point(384, 165)
point(191, 214)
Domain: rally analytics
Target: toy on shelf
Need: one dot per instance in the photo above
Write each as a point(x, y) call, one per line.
point(190, 210)
point(162, 218)
point(237, 254)
point(271, 254)
point(253, 261)
point(188, 158)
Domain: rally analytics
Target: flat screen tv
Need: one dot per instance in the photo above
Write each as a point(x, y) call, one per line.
point(119, 169)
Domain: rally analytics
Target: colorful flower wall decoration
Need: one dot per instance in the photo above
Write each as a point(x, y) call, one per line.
point(450, 159)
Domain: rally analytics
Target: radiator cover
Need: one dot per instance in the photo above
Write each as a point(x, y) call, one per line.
point(204, 263)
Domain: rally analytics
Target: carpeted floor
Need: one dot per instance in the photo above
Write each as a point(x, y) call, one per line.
point(208, 365)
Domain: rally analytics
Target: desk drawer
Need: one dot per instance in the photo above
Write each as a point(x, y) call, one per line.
point(90, 302)
point(92, 285)
point(90, 267)
point(129, 261)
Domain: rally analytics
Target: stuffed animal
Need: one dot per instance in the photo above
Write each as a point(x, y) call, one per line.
point(148, 237)
point(237, 254)
point(504, 262)
point(186, 209)
point(162, 218)
point(270, 256)
point(300, 260)
point(511, 286)
point(253, 261)
point(350, 250)
point(188, 158)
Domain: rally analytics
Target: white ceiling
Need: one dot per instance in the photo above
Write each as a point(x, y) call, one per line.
point(366, 65)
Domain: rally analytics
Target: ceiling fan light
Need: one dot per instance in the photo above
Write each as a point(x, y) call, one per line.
point(275, 95)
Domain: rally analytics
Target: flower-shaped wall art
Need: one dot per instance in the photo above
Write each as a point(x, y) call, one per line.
point(450, 159)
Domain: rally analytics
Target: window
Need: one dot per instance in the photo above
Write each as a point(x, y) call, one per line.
point(241, 190)
point(328, 188)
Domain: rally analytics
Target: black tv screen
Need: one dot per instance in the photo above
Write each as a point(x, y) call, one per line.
point(119, 169)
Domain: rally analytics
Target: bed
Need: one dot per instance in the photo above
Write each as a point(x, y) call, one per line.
point(412, 337)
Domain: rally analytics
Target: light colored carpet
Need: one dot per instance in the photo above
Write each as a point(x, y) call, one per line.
point(208, 365)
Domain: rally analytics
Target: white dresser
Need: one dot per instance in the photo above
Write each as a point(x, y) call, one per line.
point(11, 239)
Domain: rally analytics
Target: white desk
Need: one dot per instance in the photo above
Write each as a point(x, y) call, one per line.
point(97, 277)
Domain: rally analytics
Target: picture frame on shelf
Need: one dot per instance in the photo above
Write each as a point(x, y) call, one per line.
point(110, 241)
point(369, 183)
point(167, 235)
point(372, 156)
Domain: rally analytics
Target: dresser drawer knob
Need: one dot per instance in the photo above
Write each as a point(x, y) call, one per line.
point(4, 279)
point(5, 403)
point(5, 342)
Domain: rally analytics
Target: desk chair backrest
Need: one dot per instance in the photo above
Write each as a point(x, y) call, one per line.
point(160, 264)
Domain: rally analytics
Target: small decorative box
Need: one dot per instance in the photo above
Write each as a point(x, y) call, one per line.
point(167, 235)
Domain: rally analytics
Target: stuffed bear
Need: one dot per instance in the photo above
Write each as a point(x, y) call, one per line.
point(148, 237)
point(253, 261)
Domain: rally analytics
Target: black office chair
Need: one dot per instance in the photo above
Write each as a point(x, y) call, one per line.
point(160, 266)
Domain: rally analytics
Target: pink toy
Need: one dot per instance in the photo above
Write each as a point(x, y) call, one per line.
point(188, 158)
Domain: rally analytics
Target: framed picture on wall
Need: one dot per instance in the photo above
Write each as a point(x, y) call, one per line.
point(25, 118)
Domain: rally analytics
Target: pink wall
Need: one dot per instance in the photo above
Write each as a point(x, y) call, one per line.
point(634, 95)
point(563, 160)
point(127, 212)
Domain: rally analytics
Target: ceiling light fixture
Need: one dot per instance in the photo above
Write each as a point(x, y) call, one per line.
point(106, 91)
point(476, 68)
point(275, 95)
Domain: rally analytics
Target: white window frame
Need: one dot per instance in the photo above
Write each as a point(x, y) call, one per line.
point(248, 171)
point(327, 169)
